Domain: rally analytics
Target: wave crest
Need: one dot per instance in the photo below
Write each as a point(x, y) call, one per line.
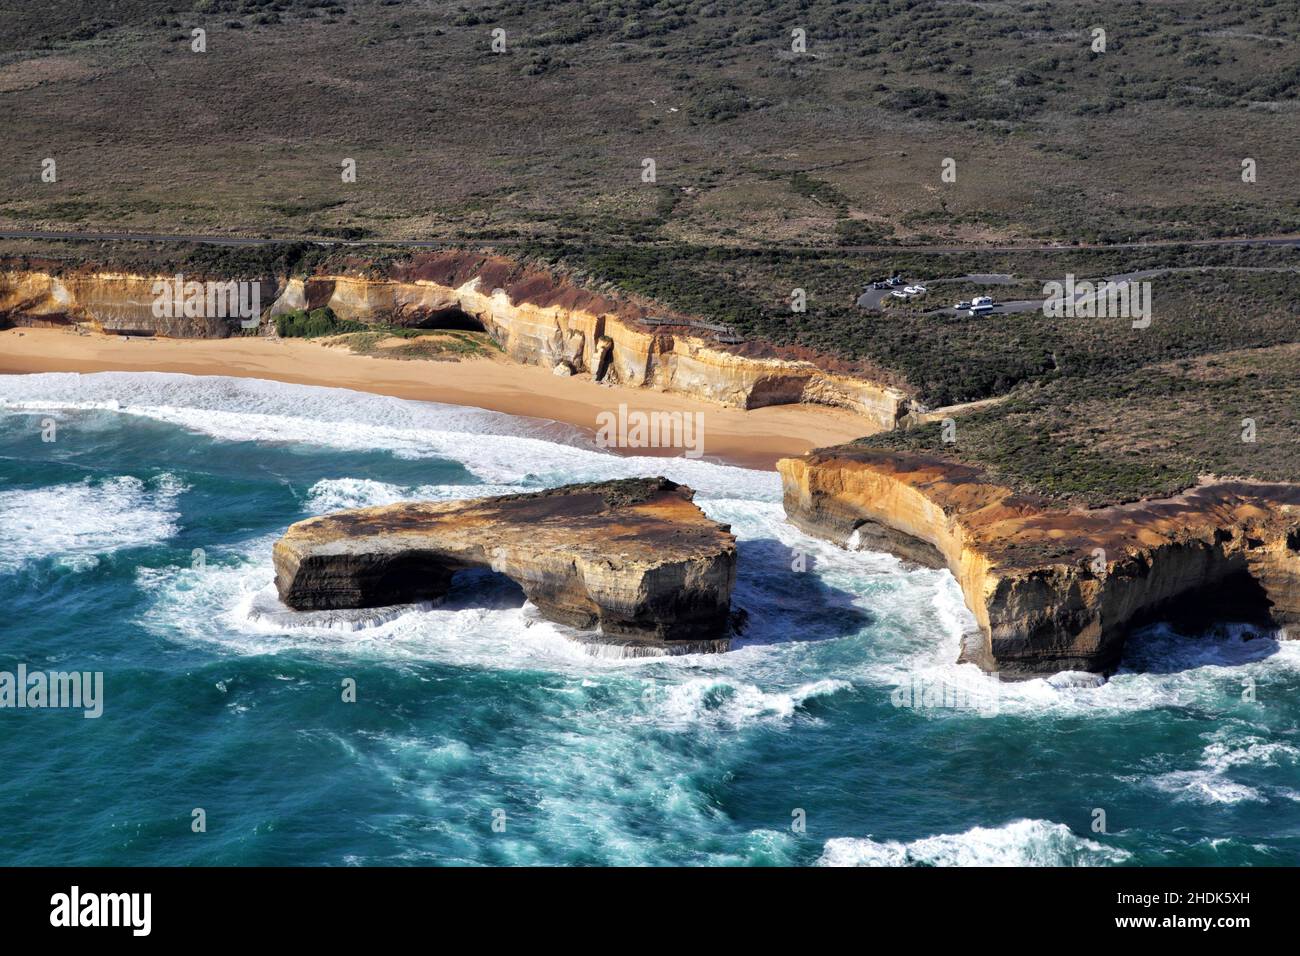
point(1018, 843)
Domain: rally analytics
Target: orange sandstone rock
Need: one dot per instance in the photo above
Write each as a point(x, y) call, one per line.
point(634, 557)
point(1057, 589)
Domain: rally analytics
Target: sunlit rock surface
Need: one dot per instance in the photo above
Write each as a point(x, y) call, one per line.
point(537, 317)
point(634, 558)
point(1056, 589)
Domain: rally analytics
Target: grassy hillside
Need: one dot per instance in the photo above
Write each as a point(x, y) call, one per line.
point(753, 142)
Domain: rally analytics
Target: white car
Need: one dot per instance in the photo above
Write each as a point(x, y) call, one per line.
point(920, 289)
point(899, 295)
point(911, 290)
point(962, 305)
point(983, 300)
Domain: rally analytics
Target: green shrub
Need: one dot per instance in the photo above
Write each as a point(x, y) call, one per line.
point(301, 324)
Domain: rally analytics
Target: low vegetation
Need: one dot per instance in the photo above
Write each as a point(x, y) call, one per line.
point(429, 344)
point(301, 324)
point(756, 144)
point(1149, 433)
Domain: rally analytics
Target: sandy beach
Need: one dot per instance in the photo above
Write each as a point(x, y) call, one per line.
point(754, 439)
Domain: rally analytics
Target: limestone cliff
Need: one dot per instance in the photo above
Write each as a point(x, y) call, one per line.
point(1059, 589)
point(635, 557)
point(536, 317)
point(111, 302)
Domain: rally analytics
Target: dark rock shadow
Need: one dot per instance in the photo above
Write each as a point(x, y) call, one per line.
point(1225, 625)
point(783, 604)
point(482, 588)
point(1165, 648)
point(786, 601)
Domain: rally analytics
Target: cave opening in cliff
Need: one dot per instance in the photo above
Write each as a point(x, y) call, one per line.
point(483, 588)
point(604, 360)
point(420, 575)
point(1237, 598)
point(453, 319)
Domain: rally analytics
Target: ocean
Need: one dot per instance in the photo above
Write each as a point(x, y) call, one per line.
point(839, 731)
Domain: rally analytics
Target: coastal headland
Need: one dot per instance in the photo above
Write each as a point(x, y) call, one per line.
point(1054, 588)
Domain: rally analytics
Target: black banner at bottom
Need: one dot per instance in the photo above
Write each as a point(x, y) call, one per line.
point(335, 905)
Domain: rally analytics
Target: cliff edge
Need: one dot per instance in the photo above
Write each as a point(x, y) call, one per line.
point(1053, 588)
point(537, 316)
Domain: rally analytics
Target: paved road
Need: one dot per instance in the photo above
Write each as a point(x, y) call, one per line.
point(441, 243)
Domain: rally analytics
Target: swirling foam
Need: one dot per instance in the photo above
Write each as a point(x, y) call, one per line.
point(915, 619)
point(1018, 843)
point(77, 524)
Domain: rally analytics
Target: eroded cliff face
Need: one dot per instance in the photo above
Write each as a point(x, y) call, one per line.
point(537, 318)
point(1054, 589)
point(560, 326)
point(110, 302)
point(635, 558)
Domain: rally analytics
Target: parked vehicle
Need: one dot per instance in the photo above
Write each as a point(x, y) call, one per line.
point(899, 295)
point(912, 290)
point(920, 289)
point(896, 280)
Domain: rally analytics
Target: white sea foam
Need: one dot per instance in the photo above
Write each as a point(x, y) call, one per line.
point(1229, 748)
point(1165, 669)
point(1018, 843)
point(253, 410)
point(264, 609)
point(910, 622)
point(79, 523)
point(1224, 753)
point(1203, 786)
point(720, 701)
point(231, 604)
point(337, 494)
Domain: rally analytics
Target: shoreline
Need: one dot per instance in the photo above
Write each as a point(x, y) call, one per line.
point(750, 439)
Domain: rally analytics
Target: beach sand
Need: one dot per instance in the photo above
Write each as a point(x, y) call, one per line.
point(754, 439)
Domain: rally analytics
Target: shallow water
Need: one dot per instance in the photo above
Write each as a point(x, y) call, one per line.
point(138, 544)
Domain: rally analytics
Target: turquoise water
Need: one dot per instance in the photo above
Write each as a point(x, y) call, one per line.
point(477, 709)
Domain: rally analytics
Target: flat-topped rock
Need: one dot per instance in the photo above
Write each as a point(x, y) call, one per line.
point(635, 558)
